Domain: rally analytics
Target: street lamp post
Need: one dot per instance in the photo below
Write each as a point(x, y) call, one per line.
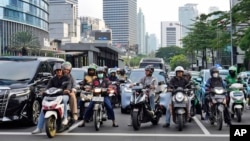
point(231, 33)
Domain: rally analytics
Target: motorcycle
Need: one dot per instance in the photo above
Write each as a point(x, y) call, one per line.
point(53, 108)
point(85, 98)
point(237, 100)
point(99, 112)
point(180, 104)
point(113, 94)
point(217, 106)
point(140, 108)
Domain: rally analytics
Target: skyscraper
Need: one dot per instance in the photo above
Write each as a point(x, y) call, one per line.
point(152, 43)
point(19, 15)
point(187, 15)
point(141, 32)
point(170, 34)
point(64, 24)
point(120, 16)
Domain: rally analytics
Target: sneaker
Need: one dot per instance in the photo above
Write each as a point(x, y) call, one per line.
point(65, 121)
point(37, 131)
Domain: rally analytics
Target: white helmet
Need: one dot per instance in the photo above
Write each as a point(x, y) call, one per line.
point(179, 68)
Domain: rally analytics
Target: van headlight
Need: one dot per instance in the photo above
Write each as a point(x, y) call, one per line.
point(179, 97)
point(20, 92)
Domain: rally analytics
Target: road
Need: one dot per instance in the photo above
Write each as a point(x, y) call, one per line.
point(197, 130)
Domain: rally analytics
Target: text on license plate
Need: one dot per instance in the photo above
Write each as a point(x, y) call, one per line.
point(98, 99)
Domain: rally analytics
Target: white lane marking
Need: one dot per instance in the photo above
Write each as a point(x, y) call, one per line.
point(120, 134)
point(74, 126)
point(203, 128)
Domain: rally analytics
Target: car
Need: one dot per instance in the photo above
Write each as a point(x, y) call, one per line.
point(21, 81)
point(202, 79)
point(78, 74)
point(134, 77)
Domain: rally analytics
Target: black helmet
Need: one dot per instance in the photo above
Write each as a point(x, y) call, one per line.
point(213, 70)
point(122, 71)
point(149, 68)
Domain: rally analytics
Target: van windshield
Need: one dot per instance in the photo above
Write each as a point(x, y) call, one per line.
point(156, 65)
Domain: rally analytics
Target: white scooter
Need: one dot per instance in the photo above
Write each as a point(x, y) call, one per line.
point(237, 100)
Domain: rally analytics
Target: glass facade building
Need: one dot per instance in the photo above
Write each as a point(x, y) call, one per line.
point(23, 15)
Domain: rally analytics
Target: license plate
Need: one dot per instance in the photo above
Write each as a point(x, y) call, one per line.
point(180, 105)
point(135, 110)
point(98, 99)
point(219, 96)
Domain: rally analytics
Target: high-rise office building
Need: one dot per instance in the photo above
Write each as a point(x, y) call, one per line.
point(120, 16)
point(187, 15)
point(170, 33)
point(141, 32)
point(64, 24)
point(152, 43)
point(19, 15)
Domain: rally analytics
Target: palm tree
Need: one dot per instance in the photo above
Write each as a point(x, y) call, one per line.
point(24, 40)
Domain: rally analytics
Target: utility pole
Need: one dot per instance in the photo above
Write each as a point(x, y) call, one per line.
point(231, 33)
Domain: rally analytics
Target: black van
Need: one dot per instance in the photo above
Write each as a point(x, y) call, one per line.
point(21, 80)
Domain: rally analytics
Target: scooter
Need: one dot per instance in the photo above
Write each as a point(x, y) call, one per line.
point(53, 108)
point(237, 100)
point(85, 98)
point(140, 108)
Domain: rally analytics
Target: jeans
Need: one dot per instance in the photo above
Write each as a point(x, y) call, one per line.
point(168, 114)
point(152, 101)
point(40, 123)
point(107, 104)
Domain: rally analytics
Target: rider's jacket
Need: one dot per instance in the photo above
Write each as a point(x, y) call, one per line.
point(57, 82)
point(104, 83)
point(214, 82)
point(176, 82)
point(88, 79)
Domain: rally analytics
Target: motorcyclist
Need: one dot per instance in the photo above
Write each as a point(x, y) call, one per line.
point(187, 75)
point(121, 74)
point(215, 81)
point(100, 81)
point(232, 76)
point(57, 82)
point(177, 81)
point(113, 76)
point(87, 80)
point(66, 67)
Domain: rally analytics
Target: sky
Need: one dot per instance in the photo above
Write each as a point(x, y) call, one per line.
point(154, 11)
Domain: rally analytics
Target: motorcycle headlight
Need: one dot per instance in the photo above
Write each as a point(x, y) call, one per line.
point(179, 97)
point(97, 90)
point(219, 91)
point(128, 90)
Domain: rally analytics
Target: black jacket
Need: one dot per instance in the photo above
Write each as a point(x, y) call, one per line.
point(176, 82)
point(57, 82)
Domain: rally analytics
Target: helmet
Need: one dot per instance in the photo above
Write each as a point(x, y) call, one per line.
point(112, 71)
point(67, 65)
point(92, 67)
point(57, 66)
point(100, 69)
point(187, 73)
point(213, 70)
point(179, 68)
point(149, 68)
point(122, 71)
point(232, 68)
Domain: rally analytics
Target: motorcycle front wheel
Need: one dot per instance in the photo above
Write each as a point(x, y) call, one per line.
point(136, 120)
point(180, 122)
point(219, 120)
point(238, 114)
point(97, 118)
point(50, 126)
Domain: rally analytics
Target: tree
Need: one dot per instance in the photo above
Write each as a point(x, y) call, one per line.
point(23, 41)
point(167, 52)
point(179, 60)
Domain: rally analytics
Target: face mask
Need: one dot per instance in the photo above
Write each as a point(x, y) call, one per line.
point(100, 75)
point(215, 75)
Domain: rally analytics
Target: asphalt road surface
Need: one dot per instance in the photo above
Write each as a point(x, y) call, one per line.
point(197, 130)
